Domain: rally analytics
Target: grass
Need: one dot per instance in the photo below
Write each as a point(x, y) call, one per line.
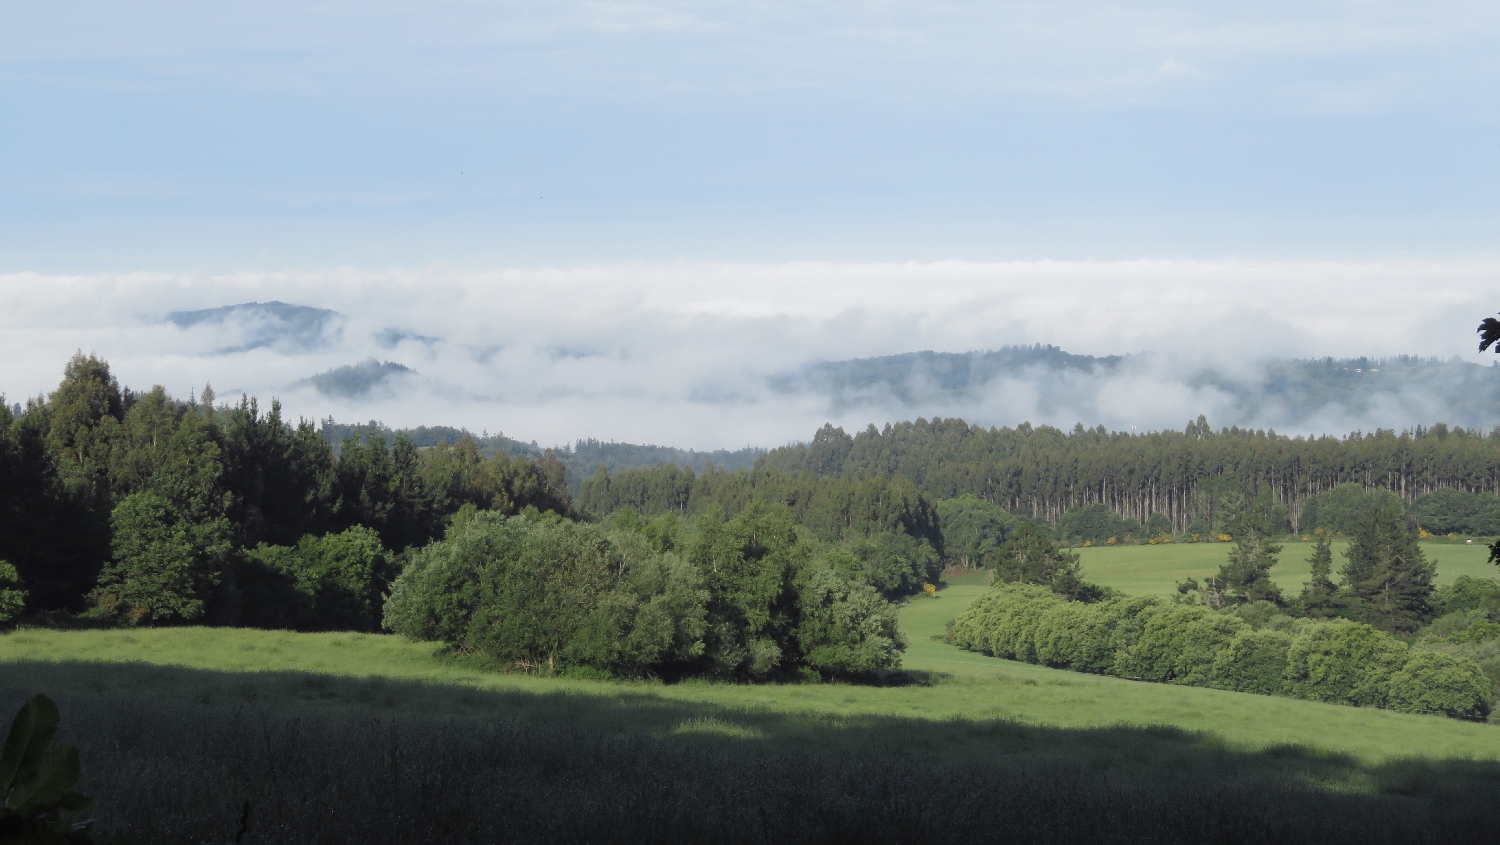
point(181, 726)
point(328, 672)
point(186, 773)
point(1157, 569)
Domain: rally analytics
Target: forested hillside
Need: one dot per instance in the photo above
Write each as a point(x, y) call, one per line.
point(94, 475)
point(1198, 473)
point(1294, 393)
point(126, 508)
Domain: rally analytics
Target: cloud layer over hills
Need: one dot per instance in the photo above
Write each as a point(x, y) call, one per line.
point(720, 355)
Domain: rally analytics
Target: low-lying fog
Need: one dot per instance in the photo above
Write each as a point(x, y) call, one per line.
point(718, 355)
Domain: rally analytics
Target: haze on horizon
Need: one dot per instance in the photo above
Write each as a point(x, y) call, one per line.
point(625, 220)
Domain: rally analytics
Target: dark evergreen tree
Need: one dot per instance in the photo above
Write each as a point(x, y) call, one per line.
point(1318, 595)
point(1031, 555)
point(1387, 579)
point(1246, 576)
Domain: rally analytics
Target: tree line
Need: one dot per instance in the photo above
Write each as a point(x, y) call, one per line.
point(1197, 475)
point(134, 508)
point(153, 509)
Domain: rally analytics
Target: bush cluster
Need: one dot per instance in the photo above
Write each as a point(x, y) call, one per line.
point(1150, 638)
point(744, 597)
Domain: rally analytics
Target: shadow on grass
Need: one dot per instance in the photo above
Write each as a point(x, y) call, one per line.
point(174, 752)
point(1158, 754)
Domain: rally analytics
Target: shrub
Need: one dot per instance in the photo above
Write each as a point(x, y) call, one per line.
point(1074, 635)
point(37, 795)
point(332, 583)
point(1178, 644)
point(534, 594)
point(1440, 683)
point(1125, 620)
point(1343, 663)
point(1012, 629)
point(1147, 638)
point(1252, 661)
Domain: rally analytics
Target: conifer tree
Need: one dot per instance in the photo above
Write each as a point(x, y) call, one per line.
point(1318, 594)
point(1246, 576)
point(1388, 578)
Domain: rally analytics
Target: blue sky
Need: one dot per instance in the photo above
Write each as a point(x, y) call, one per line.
point(215, 137)
point(697, 197)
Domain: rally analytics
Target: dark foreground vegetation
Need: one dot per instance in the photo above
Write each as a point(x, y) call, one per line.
point(179, 772)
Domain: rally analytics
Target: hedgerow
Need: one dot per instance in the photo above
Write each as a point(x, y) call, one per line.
point(1149, 638)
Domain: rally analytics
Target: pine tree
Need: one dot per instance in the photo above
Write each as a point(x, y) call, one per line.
point(1246, 576)
point(1389, 579)
point(1318, 594)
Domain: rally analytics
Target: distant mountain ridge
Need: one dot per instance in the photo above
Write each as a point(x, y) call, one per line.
point(263, 324)
point(1285, 392)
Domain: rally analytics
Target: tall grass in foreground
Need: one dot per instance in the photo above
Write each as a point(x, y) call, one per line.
point(176, 772)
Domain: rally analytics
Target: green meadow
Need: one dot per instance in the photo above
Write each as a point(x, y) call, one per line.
point(1157, 569)
point(949, 711)
point(185, 733)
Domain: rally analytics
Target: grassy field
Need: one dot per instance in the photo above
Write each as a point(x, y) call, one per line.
point(947, 717)
point(182, 726)
point(1157, 569)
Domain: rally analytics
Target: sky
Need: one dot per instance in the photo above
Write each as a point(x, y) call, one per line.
point(713, 193)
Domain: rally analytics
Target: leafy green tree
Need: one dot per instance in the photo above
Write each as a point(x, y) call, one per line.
point(749, 565)
point(12, 597)
point(1468, 593)
point(1387, 576)
point(1343, 509)
point(332, 583)
point(79, 421)
point(54, 492)
point(845, 625)
point(1319, 595)
point(660, 610)
point(547, 594)
point(1157, 524)
point(973, 530)
point(829, 448)
point(894, 564)
point(523, 591)
point(165, 561)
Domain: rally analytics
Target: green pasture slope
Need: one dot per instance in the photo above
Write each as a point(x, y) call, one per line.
point(956, 714)
point(1157, 569)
